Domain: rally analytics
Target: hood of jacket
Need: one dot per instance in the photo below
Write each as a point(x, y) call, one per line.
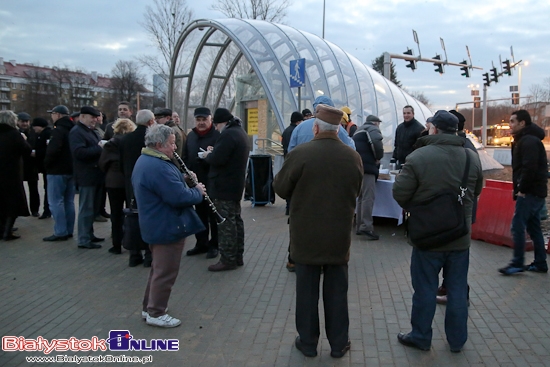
point(532, 129)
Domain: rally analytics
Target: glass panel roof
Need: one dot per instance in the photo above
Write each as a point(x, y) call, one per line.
point(213, 53)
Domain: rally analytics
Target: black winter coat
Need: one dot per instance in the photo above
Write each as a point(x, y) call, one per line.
point(130, 149)
point(30, 168)
point(86, 152)
point(13, 201)
point(41, 147)
point(286, 136)
point(109, 163)
point(191, 149)
point(406, 135)
point(365, 150)
point(529, 163)
point(59, 159)
point(228, 163)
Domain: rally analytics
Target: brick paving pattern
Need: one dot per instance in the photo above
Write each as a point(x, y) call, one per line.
point(245, 317)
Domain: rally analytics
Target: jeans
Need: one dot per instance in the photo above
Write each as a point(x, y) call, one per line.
point(527, 216)
point(425, 268)
point(61, 201)
point(86, 214)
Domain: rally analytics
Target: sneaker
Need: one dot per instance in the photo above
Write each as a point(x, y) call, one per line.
point(144, 314)
point(537, 269)
point(510, 269)
point(163, 321)
point(370, 235)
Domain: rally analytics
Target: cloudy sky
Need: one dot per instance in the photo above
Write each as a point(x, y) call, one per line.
point(93, 36)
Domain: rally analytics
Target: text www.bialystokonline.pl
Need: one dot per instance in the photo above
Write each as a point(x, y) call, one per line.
point(61, 358)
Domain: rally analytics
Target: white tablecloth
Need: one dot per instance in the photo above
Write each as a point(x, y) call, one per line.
point(384, 204)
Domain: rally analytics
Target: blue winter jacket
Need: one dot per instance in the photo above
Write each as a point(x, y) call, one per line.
point(164, 201)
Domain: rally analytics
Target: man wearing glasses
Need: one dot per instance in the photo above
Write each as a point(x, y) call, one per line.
point(59, 169)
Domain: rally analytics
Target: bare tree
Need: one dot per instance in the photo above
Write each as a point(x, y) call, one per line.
point(420, 96)
point(164, 23)
point(270, 10)
point(127, 81)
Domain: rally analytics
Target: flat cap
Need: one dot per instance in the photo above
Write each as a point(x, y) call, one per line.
point(372, 118)
point(444, 120)
point(59, 109)
point(23, 116)
point(328, 114)
point(88, 110)
point(202, 112)
point(163, 112)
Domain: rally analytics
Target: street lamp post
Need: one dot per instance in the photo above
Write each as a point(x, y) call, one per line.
point(474, 92)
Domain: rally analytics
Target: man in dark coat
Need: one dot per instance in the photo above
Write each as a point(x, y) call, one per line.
point(227, 159)
point(13, 201)
point(30, 169)
point(295, 120)
point(529, 175)
point(43, 133)
point(368, 143)
point(130, 146)
point(320, 228)
point(86, 152)
point(203, 135)
point(434, 168)
point(59, 168)
point(406, 135)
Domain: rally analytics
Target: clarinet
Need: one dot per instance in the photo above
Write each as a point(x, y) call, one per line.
point(185, 170)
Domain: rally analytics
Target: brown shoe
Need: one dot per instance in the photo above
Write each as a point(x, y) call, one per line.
point(290, 267)
point(221, 267)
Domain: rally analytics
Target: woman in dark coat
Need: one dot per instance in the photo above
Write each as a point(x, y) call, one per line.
point(13, 201)
point(109, 162)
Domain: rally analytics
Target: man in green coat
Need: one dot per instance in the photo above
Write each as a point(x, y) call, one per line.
point(438, 166)
point(324, 178)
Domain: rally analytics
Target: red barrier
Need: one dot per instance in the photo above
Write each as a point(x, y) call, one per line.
point(495, 210)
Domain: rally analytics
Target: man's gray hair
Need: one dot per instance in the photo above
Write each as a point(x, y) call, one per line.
point(144, 116)
point(8, 118)
point(157, 134)
point(325, 126)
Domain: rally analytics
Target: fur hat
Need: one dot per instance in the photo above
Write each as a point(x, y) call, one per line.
point(328, 114)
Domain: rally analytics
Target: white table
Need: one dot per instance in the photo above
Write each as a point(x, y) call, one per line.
point(384, 204)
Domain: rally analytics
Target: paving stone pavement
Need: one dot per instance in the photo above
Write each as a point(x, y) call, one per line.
point(245, 317)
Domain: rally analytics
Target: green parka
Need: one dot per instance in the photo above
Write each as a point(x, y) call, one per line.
point(437, 166)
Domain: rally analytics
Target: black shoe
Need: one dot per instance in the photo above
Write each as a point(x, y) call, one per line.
point(90, 246)
point(147, 262)
point(54, 238)
point(45, 216)
point(35, 214)
point(11, 237)
point(240, 261)
point(341, 353)
point(212, 253)
point(114, 250)
point(405, 339)
point(70, 235)
point(302, 348)
point(135, 261)
point(197, 250)
point(221, 267)
point(456, 350)
point(97, 239)
point(369, 234)
point(537, 269)
point(104, 214)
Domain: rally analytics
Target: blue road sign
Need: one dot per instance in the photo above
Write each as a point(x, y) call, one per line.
point(297, 73)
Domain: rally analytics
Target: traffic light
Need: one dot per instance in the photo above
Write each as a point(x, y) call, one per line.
point(494, 73)
point(486, 80)
point(477, 102)
point(515, 98)
point(465, 69)
point(438, 67)
point(507, 68)
point(411, 63)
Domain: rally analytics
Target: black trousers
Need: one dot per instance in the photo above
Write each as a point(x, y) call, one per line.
point(209, 220)
point(335, 301)
point(117, 198)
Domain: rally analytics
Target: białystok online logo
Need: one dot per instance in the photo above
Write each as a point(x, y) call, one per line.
point(119, 340)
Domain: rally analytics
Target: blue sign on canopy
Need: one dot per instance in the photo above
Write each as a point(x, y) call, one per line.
point(297, 73)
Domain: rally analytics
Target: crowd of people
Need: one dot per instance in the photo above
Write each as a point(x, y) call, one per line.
point(180, 184)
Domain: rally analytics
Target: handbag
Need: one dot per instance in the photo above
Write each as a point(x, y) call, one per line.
point(439, 220)
point(131, 239)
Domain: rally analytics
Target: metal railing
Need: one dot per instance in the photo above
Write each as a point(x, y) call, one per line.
point(269, 146)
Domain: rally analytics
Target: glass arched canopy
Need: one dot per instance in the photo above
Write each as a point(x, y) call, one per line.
point(225, 62)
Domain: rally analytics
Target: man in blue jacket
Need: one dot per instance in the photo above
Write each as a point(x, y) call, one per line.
point(166, 218)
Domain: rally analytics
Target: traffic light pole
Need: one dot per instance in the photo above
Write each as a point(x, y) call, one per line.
point(484, 119)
